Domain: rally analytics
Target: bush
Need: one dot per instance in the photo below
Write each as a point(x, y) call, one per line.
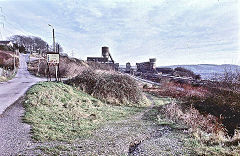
point(145, 86)
point(179, 71)
point(110, 87)
point(7, 60)
point(6, 48)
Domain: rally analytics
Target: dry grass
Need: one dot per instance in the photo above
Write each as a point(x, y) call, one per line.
point(193, 118)
point(6, 60)
point(110, 87)
point(69, 67)
point(209, 137)
point(212, 114)
point(2, 79)
point(179, 91)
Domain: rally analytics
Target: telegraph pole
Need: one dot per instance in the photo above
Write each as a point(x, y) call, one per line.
point(55, 51)
point(54, 46)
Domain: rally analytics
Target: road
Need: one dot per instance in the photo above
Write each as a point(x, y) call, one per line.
point(12, 90)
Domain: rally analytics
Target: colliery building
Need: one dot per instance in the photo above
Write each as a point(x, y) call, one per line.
point(146, 67)
point(106, 58)
point(128, 67)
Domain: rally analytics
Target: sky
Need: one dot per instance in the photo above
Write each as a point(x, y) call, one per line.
point(172, 31)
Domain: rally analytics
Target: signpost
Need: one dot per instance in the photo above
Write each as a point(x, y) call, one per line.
point(53, 60)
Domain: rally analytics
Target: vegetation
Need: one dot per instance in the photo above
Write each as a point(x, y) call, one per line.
point(69, 67)
point(6, 48)
point(180, 71)
point(2, 79)
point(27, 41)
point(7, 65)
point(57, 111)
point(7, 60)
point(211, 112)
point(22, 42)
point(110, 87)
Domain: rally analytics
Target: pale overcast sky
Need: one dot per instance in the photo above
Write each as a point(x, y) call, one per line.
point(173, 31)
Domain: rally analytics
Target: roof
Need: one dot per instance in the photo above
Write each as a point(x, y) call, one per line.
point(4, 42)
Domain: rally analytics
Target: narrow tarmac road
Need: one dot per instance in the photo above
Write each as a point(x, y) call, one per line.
point(12, 90)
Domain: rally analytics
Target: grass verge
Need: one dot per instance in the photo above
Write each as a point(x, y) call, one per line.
point(10, 76)
point(57, 111)
point(199, 127)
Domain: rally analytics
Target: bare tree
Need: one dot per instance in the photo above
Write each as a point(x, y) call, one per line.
point(29, 42)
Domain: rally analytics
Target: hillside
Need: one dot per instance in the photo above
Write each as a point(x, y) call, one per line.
point(208, 71)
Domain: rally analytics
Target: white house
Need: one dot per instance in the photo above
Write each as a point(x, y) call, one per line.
point(6, 43)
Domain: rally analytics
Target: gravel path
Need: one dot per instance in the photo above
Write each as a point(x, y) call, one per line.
point(14, 135)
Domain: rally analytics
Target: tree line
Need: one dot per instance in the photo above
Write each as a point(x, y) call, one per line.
point(31, 43)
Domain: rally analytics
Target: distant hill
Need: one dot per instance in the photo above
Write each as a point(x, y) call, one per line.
point(208, 71)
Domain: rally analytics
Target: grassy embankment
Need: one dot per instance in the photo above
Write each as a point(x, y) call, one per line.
point(60, 112)
point(57, 111)
point(7, 63)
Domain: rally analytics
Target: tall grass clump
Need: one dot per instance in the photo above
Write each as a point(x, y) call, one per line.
point(110, 87)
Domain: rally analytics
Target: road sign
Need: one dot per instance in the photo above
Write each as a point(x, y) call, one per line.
point(52, 58)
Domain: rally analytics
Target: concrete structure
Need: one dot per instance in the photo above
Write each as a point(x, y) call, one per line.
point(128, 67)
point(145, 67)
point(98, 59)
point(106, 58)
point(105, 52)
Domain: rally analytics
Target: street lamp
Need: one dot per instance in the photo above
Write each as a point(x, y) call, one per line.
point(53, 38)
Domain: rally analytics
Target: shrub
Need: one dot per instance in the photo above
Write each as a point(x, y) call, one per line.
point(7, 60)
point(6, 48)
point(179, 91)
point(179, 71)
point(145, 86)
point(111, 87)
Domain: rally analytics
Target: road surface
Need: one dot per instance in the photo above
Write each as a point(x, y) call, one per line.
point(12, 90)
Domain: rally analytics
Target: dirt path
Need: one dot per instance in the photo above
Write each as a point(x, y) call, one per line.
point(137, 135)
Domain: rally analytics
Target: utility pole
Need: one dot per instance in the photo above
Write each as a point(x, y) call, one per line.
point(54, 48)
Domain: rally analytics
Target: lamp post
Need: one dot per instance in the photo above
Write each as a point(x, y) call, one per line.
point(54, 49)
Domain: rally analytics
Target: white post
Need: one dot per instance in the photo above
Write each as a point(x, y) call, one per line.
point(14, 61)
point(56, 73)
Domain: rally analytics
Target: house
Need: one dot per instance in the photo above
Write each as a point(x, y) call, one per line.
point(6, 43)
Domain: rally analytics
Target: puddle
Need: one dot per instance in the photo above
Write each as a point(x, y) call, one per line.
point(134, 148)
point(25, 82)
